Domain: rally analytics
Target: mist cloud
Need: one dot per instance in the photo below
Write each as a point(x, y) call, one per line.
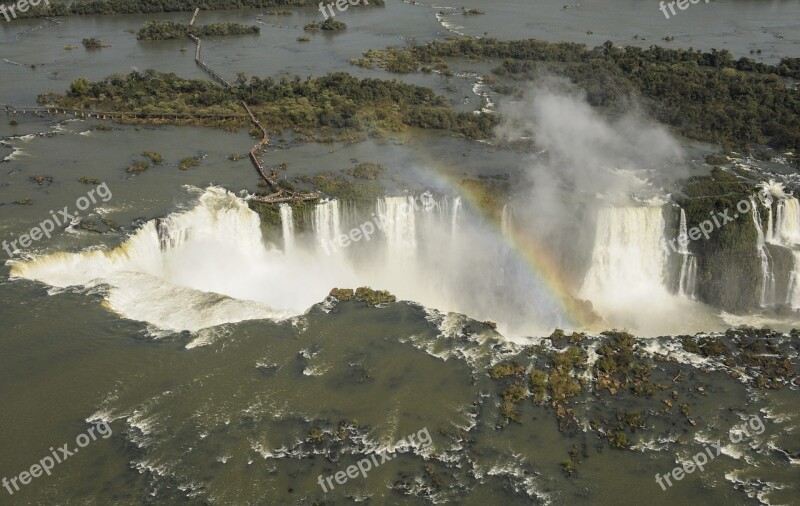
point(585, 157)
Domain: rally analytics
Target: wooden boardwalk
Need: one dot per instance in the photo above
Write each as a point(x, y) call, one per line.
point(92, 114)
point(279, 194)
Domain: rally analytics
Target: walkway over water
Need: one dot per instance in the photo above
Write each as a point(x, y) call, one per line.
point(279, 194)
point(94, 114)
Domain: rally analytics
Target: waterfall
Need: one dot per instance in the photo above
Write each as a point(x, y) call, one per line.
point(170, 236)
point(683, 233)
point(188, 271)
point(769, 232)
point(399, 224)
point(209, 265)
point(287, 225)
point(787, 223)
point(456, 209)
point(628, 267)
point(688, 276)
point(774, 233)
point(688, 283)
point(505, 222)
point(628, 256)
point(326, 222)
point(793, 292)
point(767, 277)
point(786, 233)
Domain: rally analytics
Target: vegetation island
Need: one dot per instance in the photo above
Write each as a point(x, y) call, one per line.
point(708, 96)
point(163, 30)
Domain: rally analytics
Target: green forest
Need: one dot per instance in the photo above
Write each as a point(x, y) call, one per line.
point(330, 25)
point(161, 30)
point(336, 100)
point(703, 95)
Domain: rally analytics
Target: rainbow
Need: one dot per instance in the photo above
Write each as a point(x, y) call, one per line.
point(543, 265)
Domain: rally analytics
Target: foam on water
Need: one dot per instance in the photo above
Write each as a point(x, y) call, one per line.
point(193, 270)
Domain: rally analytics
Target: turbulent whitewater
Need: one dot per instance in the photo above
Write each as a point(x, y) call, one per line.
point(785, 232)
point(627, 278)
point(211, 265)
